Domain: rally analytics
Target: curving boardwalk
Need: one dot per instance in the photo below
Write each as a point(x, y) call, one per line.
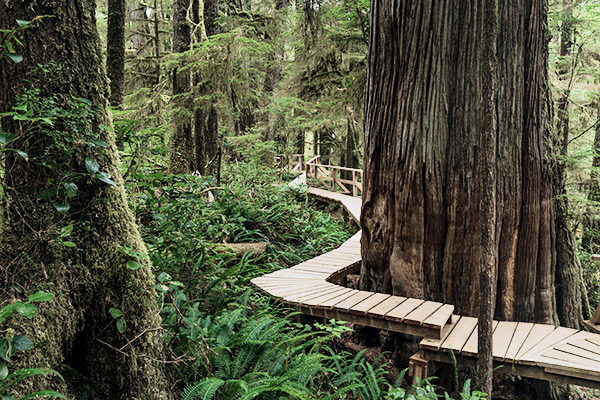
point(532, 350)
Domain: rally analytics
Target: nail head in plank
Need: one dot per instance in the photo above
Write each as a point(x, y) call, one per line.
point(419, 314)
point(369, 303)
point(402, 310)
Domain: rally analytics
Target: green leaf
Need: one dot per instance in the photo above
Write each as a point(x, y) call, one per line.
point(104, 177)
point(66, 230)
point(22, 343)
point(70, 189)
point(133, 265)
point(15, 57)
point(41, 296)
point(26, 309)
point(115, 312)
point(7, 311)
point(69, 244)
point(3, 370)
point(4, 350)
point(22, 22)
point(99, 143)
point(121, 325)
point(91, 165)
point(23, 154)
point(46, 193)
point(6, 137)
point(61, 207)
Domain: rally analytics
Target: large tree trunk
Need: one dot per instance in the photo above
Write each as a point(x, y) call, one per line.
point(181, 144)
point(75, 329)
point(569, 279)
point(211, 133)
point(421, 203)
point(115, 51)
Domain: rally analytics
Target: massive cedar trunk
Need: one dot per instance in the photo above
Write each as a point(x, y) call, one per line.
point(421, 200)
point(115, 51)
point(181, 143)
point(75, 331)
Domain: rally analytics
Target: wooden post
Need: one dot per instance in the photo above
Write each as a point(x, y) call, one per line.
point(419, 367)
point(333, 180)
point(354, 187)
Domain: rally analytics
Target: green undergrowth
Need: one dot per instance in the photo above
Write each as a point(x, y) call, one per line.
point(227, 340)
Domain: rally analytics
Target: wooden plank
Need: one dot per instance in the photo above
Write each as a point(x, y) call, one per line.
point(298, 296)
point(292, 291)
point(386, 306)
point(309, 296)
point(459, 335)
point(503, 335)
point(578, 351)
point(333, 301)
point(471, 347)
point(596, 317)
point(559, 360)
point(537, 333)
point(591, 326)
point(325, 297)
point(403, 309)
point(369, 303)
point(557, 335)
point(421, 313)
point(440, 317)
point(595, 340)
point(353, 300)
point(435, 344)
point(518, 339)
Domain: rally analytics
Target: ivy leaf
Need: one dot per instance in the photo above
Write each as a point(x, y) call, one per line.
point(4, 350)
point(115, 312)
point(66, 230)
point(121, 325)
point(70, 189)
point(22, 343)
point(133, 265)
point(61, 207)
point(26, 309)
point(41, 296)
point(17, 58)
point(104, 177)
point(3, 370)
point(23, 154)
point(91, 165)
point(100, 143)
point(68, 244)
point(6, 137)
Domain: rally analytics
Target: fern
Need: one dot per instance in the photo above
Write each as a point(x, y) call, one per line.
point(204, 389)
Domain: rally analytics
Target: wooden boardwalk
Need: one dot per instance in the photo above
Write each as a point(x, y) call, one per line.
point(532, 350)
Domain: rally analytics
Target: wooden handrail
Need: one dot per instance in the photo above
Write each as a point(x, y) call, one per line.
point(335, 167)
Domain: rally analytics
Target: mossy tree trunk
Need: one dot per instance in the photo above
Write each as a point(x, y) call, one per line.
point(115, 51)
point(86, 268)
point(182, 142)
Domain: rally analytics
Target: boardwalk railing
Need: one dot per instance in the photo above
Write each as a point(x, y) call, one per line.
point(292, 162)
point(334, 178)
